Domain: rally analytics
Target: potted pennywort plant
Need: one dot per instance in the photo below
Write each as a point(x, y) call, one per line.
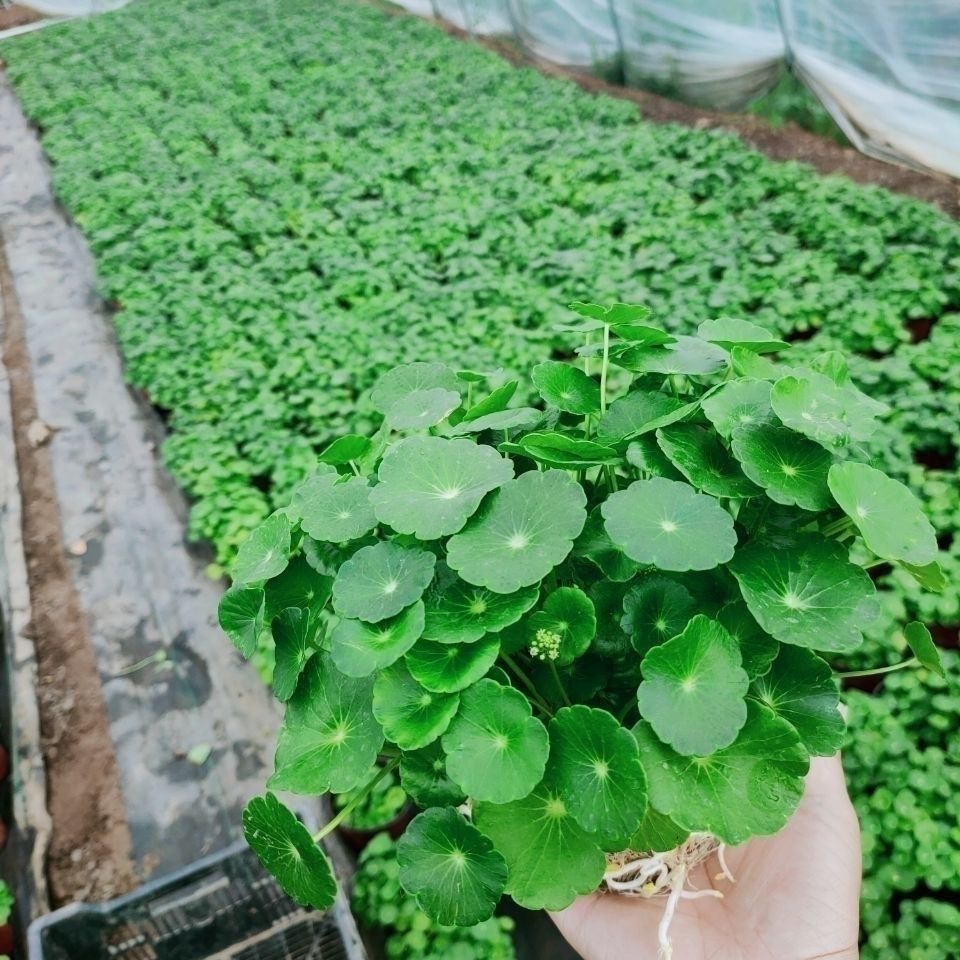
point(594, 634)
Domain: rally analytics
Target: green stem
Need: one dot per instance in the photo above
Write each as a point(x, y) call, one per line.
point(875, 562)
point(625, 712)
point(528, 683)
point(335, 822)
point(155, 658)
point(555, 673)
point(673, 386)
point(837, 527)
point(764, 509)
point(355, 468)
point(603, 369)
point(903, 665)
point(586, 357)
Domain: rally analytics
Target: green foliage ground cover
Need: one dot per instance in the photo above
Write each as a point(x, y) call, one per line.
point(286, 198)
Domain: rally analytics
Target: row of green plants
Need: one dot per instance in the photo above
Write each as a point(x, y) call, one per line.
point(281, 218)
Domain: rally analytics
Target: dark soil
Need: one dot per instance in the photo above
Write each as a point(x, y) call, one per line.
point(17, 16)
point(788, 142)
point(90, 850)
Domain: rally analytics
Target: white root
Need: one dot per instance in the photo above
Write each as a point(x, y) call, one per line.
point(665, 875)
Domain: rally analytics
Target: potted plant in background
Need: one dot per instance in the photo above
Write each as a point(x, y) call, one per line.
point(593, 634)
point(385, 809)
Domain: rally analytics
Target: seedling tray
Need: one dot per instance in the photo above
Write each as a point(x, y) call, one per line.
point(224, 907)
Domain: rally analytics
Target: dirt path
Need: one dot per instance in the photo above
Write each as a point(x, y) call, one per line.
point(17, 16)
point(90, 851)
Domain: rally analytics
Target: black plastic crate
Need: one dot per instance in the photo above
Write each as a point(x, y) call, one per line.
point(224, 907)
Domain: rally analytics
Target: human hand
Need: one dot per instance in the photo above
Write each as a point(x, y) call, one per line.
point(796, 895)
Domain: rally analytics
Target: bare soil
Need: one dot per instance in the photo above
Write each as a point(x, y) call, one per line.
point(17, 16)
point(788, 142)
point(90, 856)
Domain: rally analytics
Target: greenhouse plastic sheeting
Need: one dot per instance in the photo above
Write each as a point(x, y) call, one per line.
point(75, 8)
point(888, 70)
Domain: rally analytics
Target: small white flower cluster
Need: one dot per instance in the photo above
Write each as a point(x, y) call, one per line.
point(545, 645)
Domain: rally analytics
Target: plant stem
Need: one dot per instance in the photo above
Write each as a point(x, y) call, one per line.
point(625, 712)
point(878, 671)
point(555, 673)
point(875, 562)
point(603, 369)
point(355, 468)
point(528, 683)
point(837, 527)
point(335, 822)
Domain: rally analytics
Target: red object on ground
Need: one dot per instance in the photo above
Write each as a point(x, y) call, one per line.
point(3, 840)
point(6, 940)
point(4, 762)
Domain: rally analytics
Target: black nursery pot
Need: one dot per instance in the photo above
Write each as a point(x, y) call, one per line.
point(356, 839)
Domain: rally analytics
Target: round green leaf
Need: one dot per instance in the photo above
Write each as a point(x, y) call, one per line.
point(687, 355)
point(800, 688)
point(359, 649)
point(493, 403)
point(645, 454)
point(550, 858)
point(265, 553)
point(344, 449)
point(700, 456)
point(400, 382)
point(790, 468)
point(807, 593)
point(423, 774)
point(430, 486)
point(757, 649)
point(449, 667)
point(329, 739)
point(750, 788)
point(499, 421)
point(729, 332)
point(451, 868)
point(595, 765)
point(422, 408)
point(410, 714)
point(924, 649)
point(332, 508)
point(627, 417)
point(241, 615)
point(526, 528)
point(566, 387)
point(885, 512)
point(694, 688)
point(381, 580)
point(568, 614)
point(496, 749)
point(459, 612)
point(298, 586)
point(654, 610)
point(930, 576)
point(287, 851)
point(738, 403)
point(559, 450)
point(294, 633)
point(657, 833)
point(820, 409)
point(595, 545)
point(670, 525)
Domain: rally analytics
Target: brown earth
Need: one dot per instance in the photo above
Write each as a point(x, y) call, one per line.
point(17, 16)
point(90, 855)
point(788, 142)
